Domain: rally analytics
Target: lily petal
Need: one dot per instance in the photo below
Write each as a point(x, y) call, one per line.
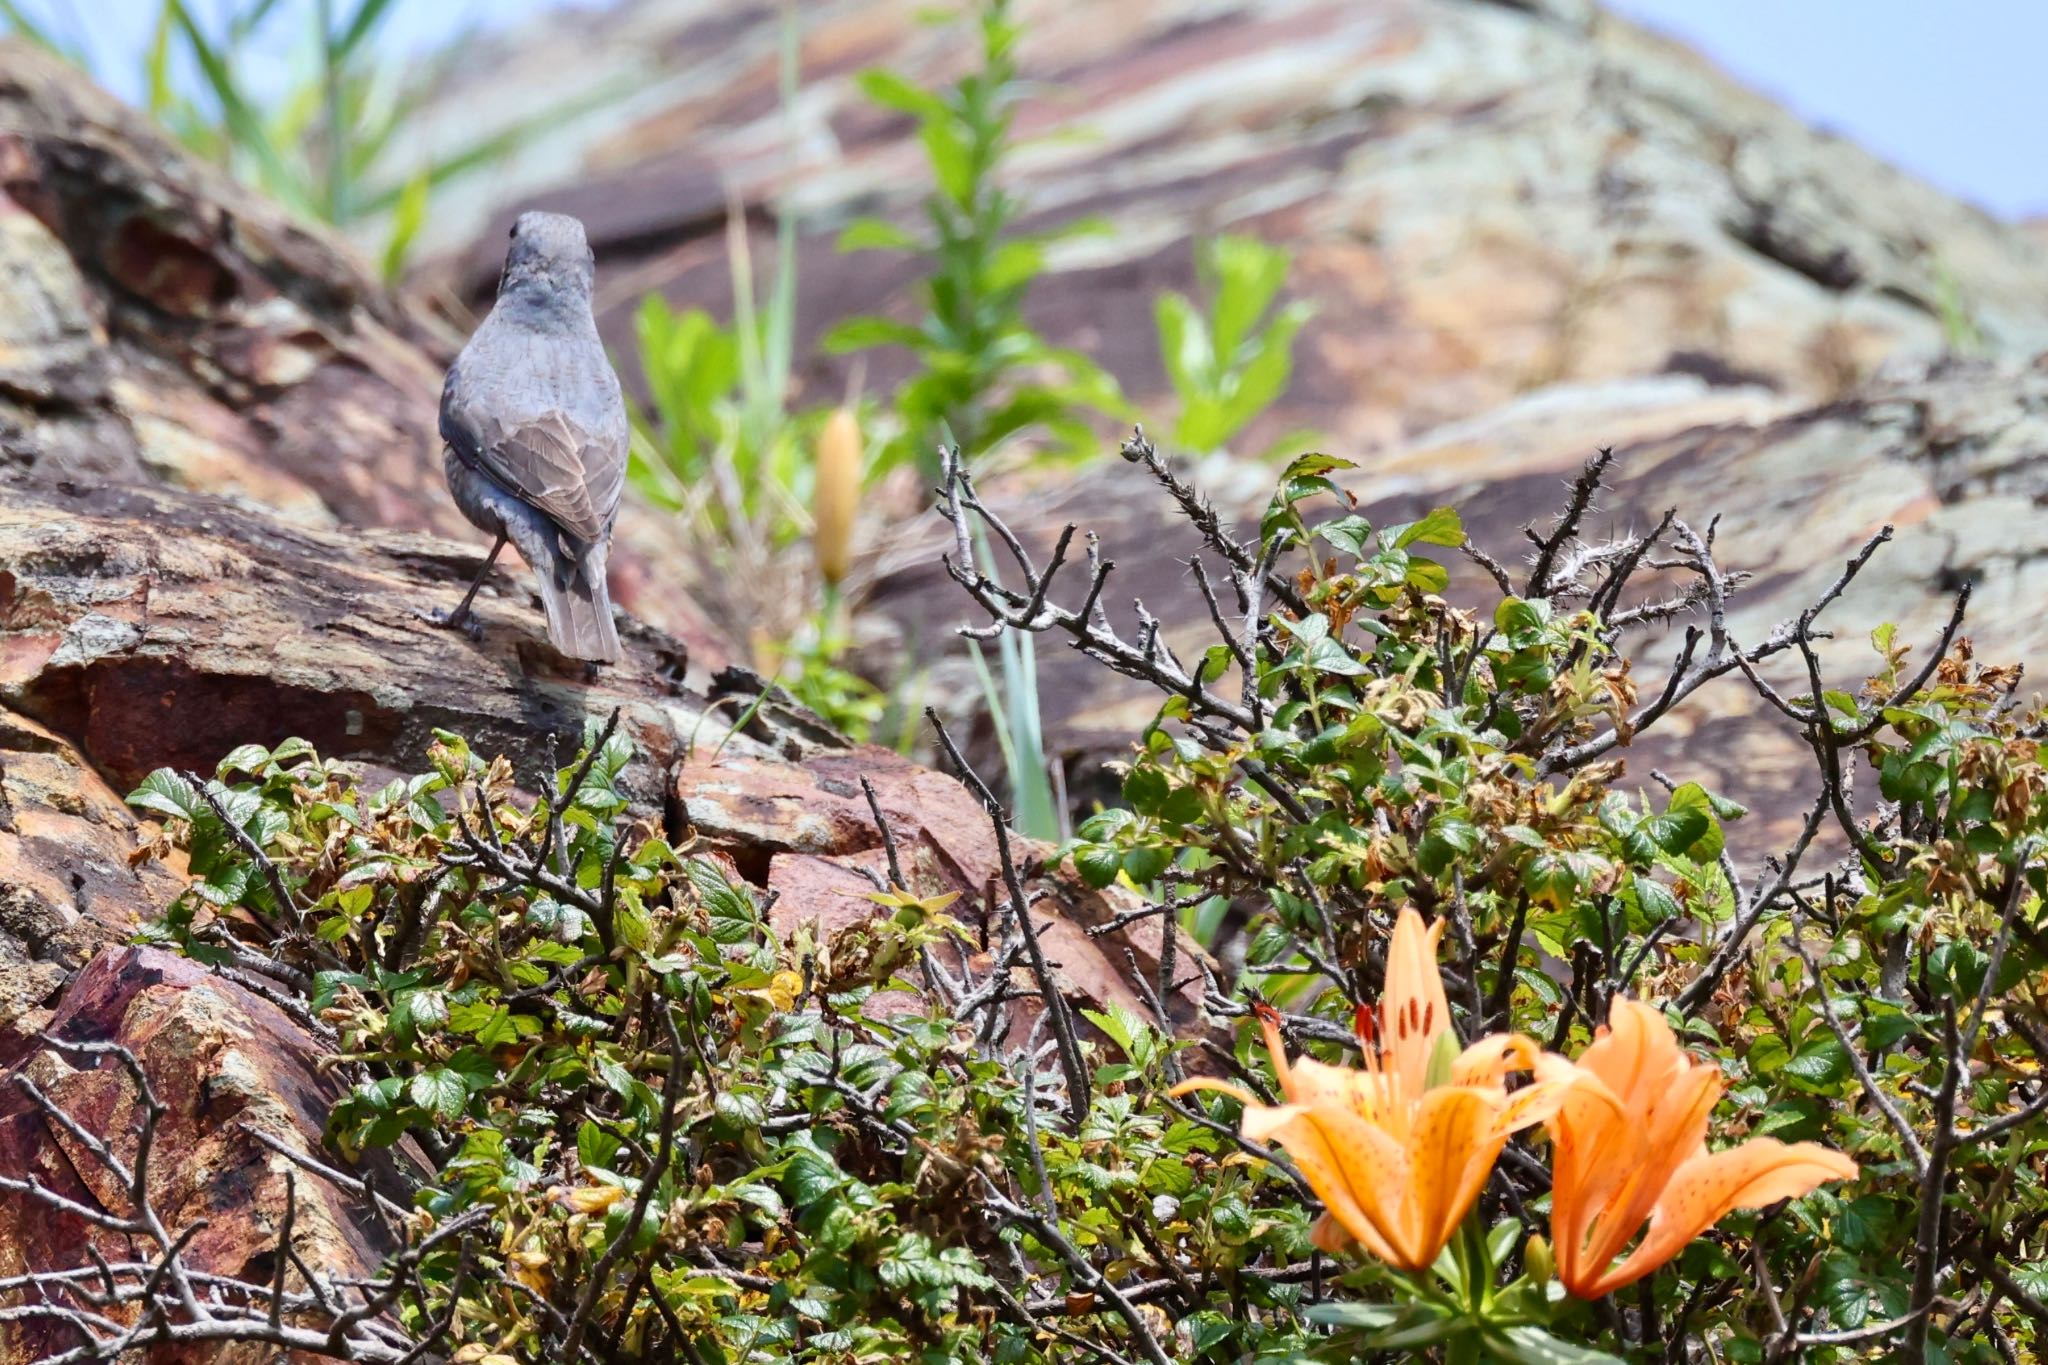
point(1354, 1168)
point(1413, 1010)
point(1630, 1151)
point(1712, 1185)
point(1456, 1142)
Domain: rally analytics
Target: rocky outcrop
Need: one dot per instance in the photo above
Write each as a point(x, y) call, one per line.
point(238, 1080)
point(70, 877)
point(1486, 200)
point(1528, 230)
point(160, 324)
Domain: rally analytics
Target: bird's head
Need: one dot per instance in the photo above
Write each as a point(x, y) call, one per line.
point(549, 249)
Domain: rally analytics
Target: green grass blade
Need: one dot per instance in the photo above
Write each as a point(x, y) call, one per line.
point(406, 221)
point(249, 20)
point(156, 67)
point(246, 130)
point(368, 16)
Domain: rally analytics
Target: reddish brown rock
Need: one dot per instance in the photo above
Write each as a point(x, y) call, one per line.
point(68, 881)
point(804, 830)
point(226, 1064)
point(160, 323)
point(157, 628)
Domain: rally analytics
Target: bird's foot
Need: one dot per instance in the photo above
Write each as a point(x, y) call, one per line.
point(464, 621)
point(590, 670)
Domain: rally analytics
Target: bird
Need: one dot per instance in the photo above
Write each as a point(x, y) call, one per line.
point(535, 432)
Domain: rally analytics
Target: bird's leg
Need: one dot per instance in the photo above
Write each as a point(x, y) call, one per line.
point(460, 618)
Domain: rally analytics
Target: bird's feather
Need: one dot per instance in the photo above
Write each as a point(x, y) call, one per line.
point(571, 469)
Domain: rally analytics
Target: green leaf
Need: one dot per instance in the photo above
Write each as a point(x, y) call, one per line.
point(1821, 1061)
point(616, 1077)
point(1516, 617)
point(1183, 348)
point(246, 758)
point(892, 91)
point(1315, 462)
point(1655, 899)
point(1679, 828)
point(419, 1009)
point(367, 17)
point(1098, 864)
point(1692, 798)
point(1351, 534)
point(876, 234)
point(1441, 527)
point(1448, 838)
point(1329, 657)
point(1885, 1025)
point(740, 1108)
point(1370, 1315)
point(1426, 575)
point(1147, 863)
point(166, 793)
point(916, 1262)
point(440, 1092)
point(1534, 1346)
point(860, 334)
point(595, 1148)
point(408, 216)
point(1145, 788)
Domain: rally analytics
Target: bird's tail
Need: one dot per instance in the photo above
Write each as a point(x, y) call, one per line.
point(580, 611)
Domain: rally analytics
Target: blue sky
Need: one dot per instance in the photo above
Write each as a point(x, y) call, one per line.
point(1954, 92)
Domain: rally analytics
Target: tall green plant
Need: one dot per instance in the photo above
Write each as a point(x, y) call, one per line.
point(720, 445)
point(1231, 362)
point(984, 374)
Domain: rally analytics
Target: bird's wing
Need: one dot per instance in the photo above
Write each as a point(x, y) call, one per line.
point(549, 459)
point(605, 455)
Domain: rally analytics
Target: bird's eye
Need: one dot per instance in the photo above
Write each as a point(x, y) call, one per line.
point(515, 231)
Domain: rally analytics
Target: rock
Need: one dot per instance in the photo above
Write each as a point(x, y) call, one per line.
point(1529, 229)
point(227, 1065)
point(161, 628)
point(164, 325)
point(1486, 199)
point(805, 831)
point(167, 323)
point(69, 879)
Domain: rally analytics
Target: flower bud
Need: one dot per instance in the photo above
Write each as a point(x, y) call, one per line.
point(836, 496)
point(1536, 1261)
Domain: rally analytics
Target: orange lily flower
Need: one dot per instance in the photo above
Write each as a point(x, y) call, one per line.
point(1631, 1145)
point(1399, 1150)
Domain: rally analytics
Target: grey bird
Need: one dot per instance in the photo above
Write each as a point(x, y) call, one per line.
point(536, 435)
